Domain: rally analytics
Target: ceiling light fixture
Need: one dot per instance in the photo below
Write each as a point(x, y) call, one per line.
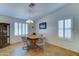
point(31, 5)
point(29, 21)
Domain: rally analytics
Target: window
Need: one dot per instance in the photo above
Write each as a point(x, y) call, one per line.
point(67, 28)
point(15, 29)
point(20, 29)
point(60, 28)
point(23, 29)
point(64, 28)
point(26, 29)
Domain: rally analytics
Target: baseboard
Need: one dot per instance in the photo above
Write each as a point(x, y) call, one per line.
point(16, 43)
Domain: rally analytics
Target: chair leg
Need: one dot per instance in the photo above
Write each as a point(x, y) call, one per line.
point(26, 48)
point(37, 46)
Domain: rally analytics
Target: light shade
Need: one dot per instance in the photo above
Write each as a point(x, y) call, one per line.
point(29, 21)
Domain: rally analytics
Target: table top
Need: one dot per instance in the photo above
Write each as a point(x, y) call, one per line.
point(32, 36)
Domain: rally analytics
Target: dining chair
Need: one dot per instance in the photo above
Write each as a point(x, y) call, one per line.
point(26, 43)
point(41, 41)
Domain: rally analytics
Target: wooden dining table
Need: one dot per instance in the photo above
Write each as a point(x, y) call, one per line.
point(33, 39)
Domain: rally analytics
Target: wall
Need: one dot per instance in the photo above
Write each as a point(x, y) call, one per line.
point(31, 28)
point(11, 20)
point(51, 33)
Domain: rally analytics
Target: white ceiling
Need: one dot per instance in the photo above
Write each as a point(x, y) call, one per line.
point(22, 11)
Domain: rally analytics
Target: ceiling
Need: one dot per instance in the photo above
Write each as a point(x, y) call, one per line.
point(22, 11)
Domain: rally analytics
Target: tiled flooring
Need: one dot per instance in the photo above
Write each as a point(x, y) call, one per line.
point(49, 50)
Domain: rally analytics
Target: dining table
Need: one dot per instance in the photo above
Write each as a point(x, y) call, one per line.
point(33, 39)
